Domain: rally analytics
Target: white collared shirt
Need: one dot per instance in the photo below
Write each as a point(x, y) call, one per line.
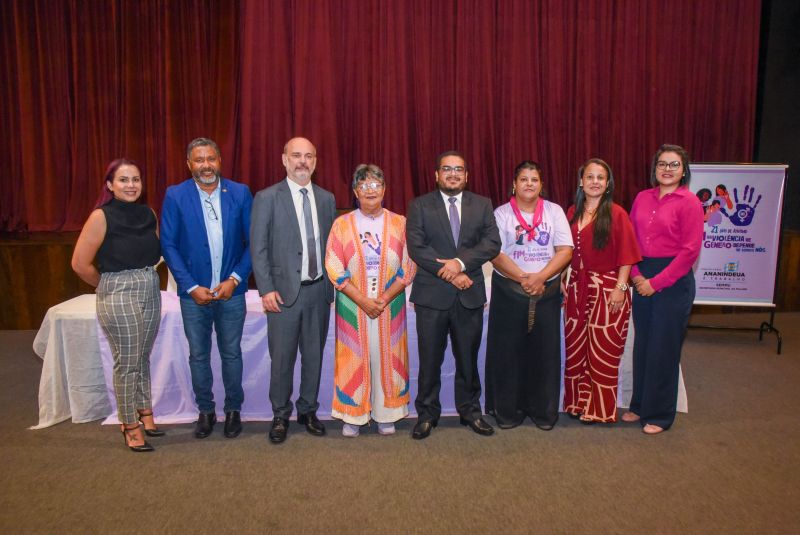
point(297, 199)
point(446, 199)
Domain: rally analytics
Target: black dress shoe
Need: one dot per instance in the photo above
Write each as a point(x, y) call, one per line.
point(479, 425)
point(278, 432)
point(312, 423)
point(233, 424)
point(205, 424)
point(422, 429)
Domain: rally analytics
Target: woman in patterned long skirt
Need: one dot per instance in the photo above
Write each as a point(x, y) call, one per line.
point(598, 302)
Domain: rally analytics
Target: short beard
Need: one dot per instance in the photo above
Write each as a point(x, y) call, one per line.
point(451, 191)
point(206, 181)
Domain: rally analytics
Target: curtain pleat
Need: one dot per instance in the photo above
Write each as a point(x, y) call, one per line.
point(392, 83)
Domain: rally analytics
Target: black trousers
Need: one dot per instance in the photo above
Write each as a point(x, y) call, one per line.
point(523, 370)
point(465, 327)
point(660, 323)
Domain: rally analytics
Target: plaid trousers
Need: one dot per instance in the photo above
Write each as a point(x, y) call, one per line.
point(129, 312)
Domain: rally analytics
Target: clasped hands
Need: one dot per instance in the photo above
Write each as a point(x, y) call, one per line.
point(221, 292)
point(532, 283)
point(451, 272)
point(643, 286)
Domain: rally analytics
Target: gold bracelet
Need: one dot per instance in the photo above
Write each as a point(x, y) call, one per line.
point(622, 286)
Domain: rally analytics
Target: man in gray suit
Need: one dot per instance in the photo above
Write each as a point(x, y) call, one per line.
point(288, 234)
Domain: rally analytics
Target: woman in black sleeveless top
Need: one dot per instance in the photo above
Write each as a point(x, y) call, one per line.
point(121, 237)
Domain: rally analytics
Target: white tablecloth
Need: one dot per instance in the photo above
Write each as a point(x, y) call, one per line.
point(76, 375)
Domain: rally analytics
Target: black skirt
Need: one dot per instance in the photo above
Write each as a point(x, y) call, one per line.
point(523, 370)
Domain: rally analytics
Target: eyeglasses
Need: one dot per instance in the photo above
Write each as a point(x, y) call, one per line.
point(590, 178)
point(457, 170)
point(367, 186)
point(211, 212)
point(672, 166)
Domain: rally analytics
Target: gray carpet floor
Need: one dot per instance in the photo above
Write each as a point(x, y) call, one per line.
point(731, 465)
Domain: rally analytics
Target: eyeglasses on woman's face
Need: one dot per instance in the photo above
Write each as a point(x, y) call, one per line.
point(370, 186)
point(672, 166)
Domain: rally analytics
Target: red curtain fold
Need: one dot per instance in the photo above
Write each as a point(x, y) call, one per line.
point(393, 83)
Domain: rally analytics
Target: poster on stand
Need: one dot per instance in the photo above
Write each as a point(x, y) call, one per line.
point(742, 212)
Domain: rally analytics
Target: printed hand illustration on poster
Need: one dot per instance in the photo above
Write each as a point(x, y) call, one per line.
point(745, 210)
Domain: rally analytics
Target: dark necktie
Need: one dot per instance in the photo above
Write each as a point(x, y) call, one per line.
point(455, 223)
point(311, 243)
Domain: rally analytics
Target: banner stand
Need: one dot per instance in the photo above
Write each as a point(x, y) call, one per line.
point(766, 326)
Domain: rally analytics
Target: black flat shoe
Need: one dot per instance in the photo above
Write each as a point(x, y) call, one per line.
point(205, 424)
point(233, 424)
point(574, 416)
point(278, 432)
point(587, 422)
point(512, 425)
point(479, 425)
point(138, 449)
point(422, 429)
point(312, 423)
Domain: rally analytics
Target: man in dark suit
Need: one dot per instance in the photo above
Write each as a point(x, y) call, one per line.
point(289, 231)
point(450, 233)
point(205, 234)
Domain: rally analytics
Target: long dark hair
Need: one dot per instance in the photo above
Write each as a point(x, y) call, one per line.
point(602, 218)
point(105, 195)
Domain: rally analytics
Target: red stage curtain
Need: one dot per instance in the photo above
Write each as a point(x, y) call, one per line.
point(393, 83)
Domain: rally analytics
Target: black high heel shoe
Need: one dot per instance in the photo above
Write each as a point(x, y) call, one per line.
point(154, 432)
point(138, 449)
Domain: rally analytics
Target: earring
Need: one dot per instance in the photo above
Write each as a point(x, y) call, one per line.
point(513, 190)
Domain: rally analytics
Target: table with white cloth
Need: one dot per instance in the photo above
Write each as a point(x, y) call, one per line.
point(77, 383)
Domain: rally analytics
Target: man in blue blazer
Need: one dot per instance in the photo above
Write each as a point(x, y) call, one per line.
point(205, 240)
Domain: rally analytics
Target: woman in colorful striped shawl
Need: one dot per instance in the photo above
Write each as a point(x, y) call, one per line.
point(367, 261)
